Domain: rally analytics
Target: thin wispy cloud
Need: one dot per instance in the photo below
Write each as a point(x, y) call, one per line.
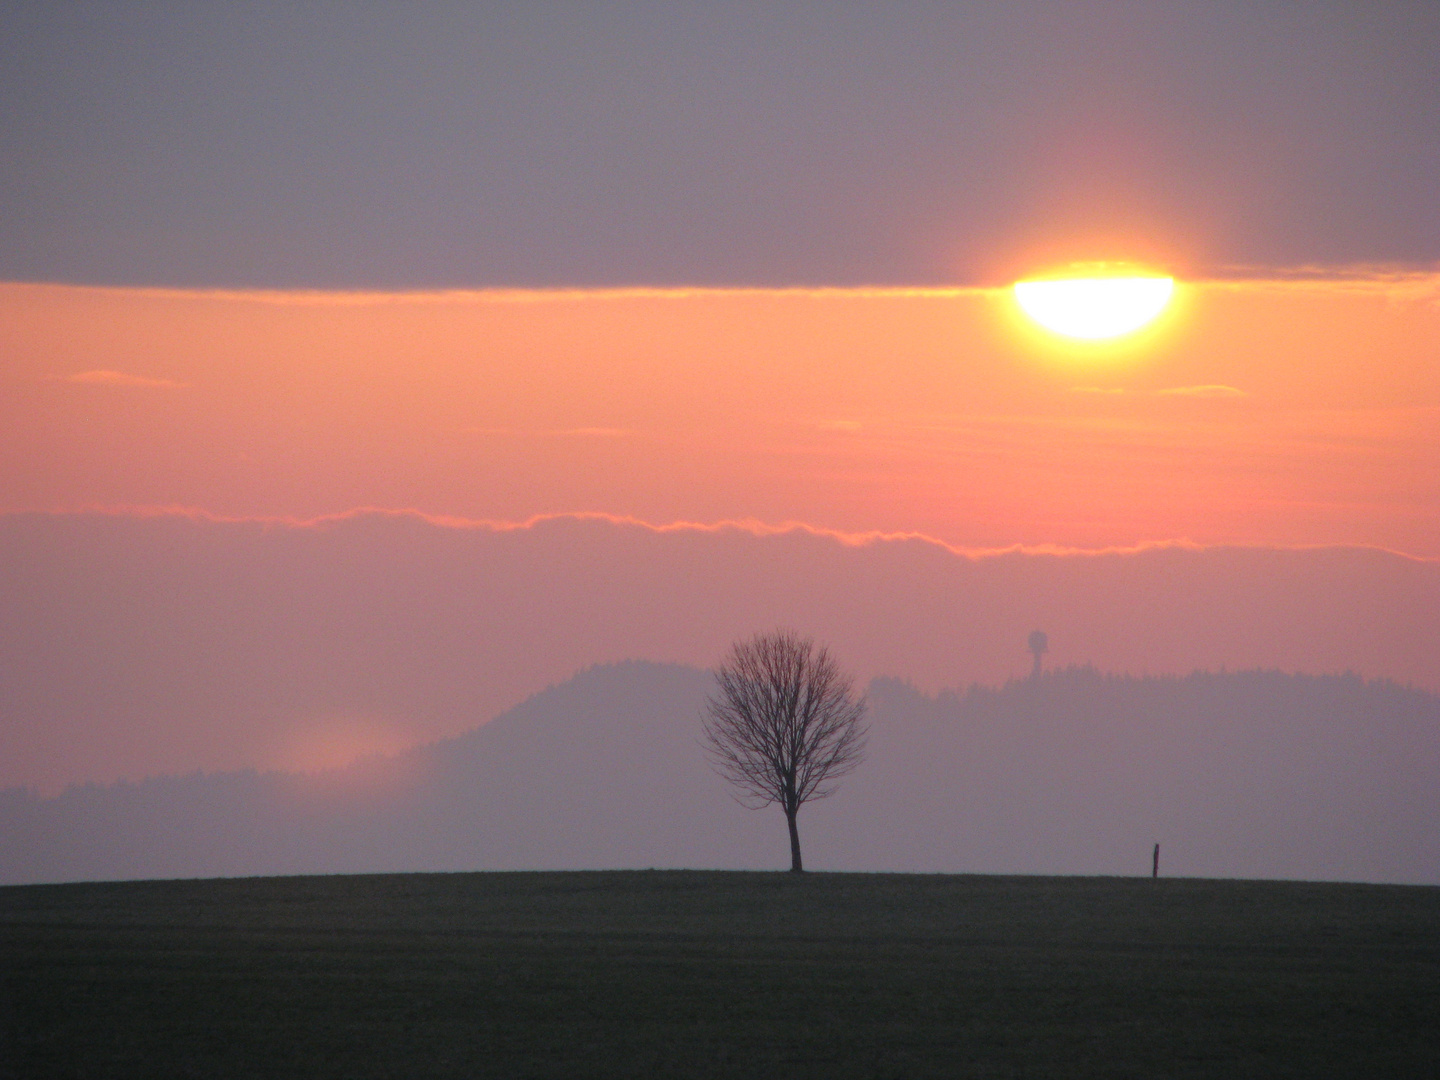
point(552, 433)
point(1422, 275)
point(106, 377)
point(1206, 390)
point(302, 297)
point(1209, 390)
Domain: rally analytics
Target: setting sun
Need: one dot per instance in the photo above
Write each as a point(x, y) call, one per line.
point(1094, 308)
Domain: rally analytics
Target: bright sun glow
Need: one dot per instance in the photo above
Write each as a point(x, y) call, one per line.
point(1094, 308)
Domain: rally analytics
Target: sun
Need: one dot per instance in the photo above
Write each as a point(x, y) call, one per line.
point(1095, 307)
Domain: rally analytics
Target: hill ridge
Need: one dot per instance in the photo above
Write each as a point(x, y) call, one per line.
point(1243, 774)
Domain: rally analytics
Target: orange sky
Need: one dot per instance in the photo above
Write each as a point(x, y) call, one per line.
point(1276, 412)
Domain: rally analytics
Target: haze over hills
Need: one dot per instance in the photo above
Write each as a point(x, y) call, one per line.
point(135, 646)
point(1252, 774)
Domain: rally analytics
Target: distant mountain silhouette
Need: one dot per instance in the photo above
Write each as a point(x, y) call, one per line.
point(1251, 773)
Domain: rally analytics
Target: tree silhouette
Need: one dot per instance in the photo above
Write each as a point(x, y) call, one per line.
point(784, 725)
point(1039, 645)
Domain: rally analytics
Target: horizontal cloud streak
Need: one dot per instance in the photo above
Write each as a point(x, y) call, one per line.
point(1206, 391)
point(1399, 282)
point(562, 433)
point(346, 298)
point(118, 378)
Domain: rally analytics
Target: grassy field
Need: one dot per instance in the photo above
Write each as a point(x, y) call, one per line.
point(678, 973)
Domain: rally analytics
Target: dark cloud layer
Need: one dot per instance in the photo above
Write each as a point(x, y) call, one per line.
point(418, 145)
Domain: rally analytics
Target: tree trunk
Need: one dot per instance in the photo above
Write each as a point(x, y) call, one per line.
point(795, 864)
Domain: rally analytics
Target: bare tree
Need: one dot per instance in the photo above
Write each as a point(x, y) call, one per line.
point(785, 724)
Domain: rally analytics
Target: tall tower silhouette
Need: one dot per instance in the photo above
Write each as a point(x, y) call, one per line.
point(1039, 646)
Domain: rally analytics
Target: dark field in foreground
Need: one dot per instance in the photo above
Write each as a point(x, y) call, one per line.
point(678, 973)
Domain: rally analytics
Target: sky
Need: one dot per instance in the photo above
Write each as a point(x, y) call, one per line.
point(1296, 412)
point(269, 271)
